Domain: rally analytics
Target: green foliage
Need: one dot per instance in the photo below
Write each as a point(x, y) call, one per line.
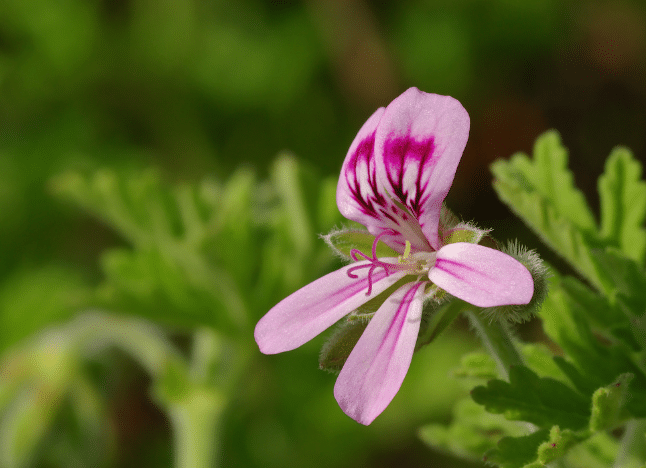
point(527, 397)
point(472, 433)
point(623, 204)
point(570, 403)
point(35, 298)
point(195, 247)
point(541, 192)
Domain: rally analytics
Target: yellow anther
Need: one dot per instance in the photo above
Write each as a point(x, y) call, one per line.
point(407, 250)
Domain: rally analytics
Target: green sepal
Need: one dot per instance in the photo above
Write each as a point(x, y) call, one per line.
point(343, 241)
point(608, 403)
point(528, 397)
point(436, 317)
point(339, 346)
point(464, 232)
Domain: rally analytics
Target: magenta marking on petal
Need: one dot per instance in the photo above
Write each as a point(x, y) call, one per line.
point(377, 365)
point(404, 153)
point(398, 323)
point(364, 155)
point(453, 268)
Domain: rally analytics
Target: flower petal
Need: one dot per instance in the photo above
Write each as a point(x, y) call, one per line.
point(418, 144)
point(357, 194)
point(300, 317)
point(481, 276)
point(380, 360)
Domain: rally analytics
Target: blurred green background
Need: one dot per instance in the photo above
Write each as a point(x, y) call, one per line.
point(199, 89)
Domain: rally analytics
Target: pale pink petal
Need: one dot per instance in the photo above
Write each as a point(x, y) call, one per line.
point(380, 360)
point(418, 144)
point(357, 194)
point(481, 276)
point(310, 310)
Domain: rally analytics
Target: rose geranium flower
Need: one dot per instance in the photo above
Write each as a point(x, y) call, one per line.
point(393, 181)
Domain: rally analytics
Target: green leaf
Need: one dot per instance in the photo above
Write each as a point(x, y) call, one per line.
point(541, 401)
point(607, 319)
point(547, 175)
point(541, 192)
point(595, 364)
point(622, 195)
point(558, 444)
point(471, 433)
point(476, 365)
point(628, 279)
point(516, 452)
point(539, 358)
point(207, 253)
point(152, 284)
point(35, 298)
point(608, 403)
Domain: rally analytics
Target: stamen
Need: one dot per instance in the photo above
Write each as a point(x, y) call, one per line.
point(374, 261)
point(407, 250)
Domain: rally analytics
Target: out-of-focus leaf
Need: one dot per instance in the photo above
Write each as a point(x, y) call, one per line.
point(516, 452)
point(33, 299)
point(608, 403)
point(471, 432)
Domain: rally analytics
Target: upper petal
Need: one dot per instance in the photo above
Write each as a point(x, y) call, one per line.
point(380, 360)
point(357, 195)
point(482, 276)
point(310, 310)
point(418, 144)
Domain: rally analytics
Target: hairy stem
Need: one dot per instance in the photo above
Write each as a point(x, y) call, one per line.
point(498, 340)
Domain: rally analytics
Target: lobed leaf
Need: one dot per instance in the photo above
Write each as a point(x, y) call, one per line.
point(547, 174)
point(471, 433)
point(542, 193)
point(528, 397)
point(622, 195)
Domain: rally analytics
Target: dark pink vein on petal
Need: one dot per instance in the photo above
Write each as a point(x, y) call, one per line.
point(452, 268)
point(406, 153)
point(396, 326)
point(364, 154)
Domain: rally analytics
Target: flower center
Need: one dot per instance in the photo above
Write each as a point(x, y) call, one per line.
point(418, 263)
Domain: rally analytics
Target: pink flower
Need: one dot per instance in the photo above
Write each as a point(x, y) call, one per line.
point(393, 181)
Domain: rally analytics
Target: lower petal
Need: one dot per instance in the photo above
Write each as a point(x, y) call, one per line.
point(482, 276)
point(380, 360)
point(310, 310)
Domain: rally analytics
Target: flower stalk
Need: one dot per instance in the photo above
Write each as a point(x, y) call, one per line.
point(498, 340)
